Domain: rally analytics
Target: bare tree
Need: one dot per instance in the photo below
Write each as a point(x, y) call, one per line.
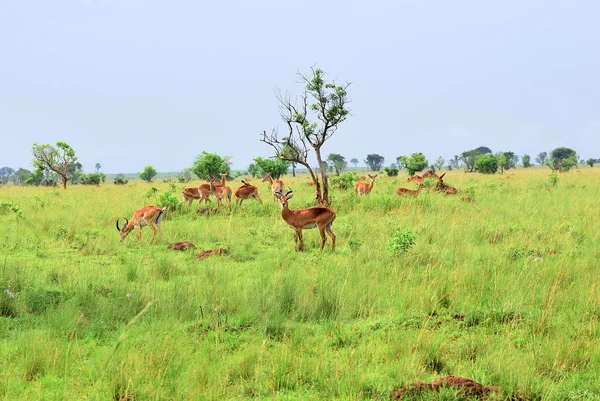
point(329, 109)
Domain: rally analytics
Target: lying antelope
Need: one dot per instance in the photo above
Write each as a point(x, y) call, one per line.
point(146, 216)
point(363, 188)
point(430, 174)
point(415, 178)
point(409, 192)
point(442, 187)
point(244, 192)
point(221, 193)
point(321, 217)
point(276, 185)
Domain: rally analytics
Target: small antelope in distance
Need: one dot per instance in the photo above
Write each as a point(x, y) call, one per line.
point(321, 217)
point(221, 193)
point(409, 192)
point(146, 216)
point(276, 185)
point(244, 192)
point(363, 188)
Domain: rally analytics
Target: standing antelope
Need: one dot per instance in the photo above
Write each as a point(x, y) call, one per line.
point(363, 188)
point(220, 193)
point(244, 192)
point(276, 185)
point(202, 192)
point(321, 217)
point(409, 192)
point(146, 216)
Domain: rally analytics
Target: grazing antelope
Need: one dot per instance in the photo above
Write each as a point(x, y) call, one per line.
point(409, 192)
point(146, 216)
point(321, 217)
point(363, 188)
point(220, 193)
point(246, 191)
point(276, 185)
point(415, 178)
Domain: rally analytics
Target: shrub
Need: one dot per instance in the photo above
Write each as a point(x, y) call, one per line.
point(401, 241)
point(391, 171)
point(168, 200)
point(486, 164)
point(5, 207)
point(120, 179)
point(344, 181)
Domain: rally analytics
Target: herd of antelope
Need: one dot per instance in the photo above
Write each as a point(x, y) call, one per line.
point(320, 217)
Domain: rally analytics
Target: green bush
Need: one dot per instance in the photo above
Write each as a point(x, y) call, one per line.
point(401, 241)
point(344, 181)
point(391, 171)
point(486, 164)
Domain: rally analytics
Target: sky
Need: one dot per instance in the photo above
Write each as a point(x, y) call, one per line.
point(131, 83)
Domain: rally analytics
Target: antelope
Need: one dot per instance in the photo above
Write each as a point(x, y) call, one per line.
point(276, 185)
point(202, 192)
point(415, 178)
point(362, 188)
point(321, 217)
point(430, 174)
point(409, 192)
point(220, 193)
point(146, 216)
point(246, 191)
point(441, 186)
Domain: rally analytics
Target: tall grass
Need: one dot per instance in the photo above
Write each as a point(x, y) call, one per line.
point(500, 286)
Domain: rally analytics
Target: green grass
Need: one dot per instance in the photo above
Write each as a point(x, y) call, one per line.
point(502, 288)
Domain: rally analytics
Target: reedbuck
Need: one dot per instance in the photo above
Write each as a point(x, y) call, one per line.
point(146, 216)
point(221, 193)
point(362, 188)
point(276, 185)
point(409, 192)
point(321, 217)
point(244, 192)
point(415, 178)
point(442, 187)
point(202, 192)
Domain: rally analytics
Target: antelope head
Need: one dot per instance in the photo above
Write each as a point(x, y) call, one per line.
point(123, 231)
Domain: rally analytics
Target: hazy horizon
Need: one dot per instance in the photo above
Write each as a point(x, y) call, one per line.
point(129, 84)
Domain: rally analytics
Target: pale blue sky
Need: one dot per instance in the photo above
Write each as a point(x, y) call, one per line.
point(135, 83)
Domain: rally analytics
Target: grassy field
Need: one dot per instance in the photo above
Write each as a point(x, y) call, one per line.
point(503, 289)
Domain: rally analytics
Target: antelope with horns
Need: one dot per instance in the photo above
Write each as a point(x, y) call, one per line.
point(409, 192)
point(244, 192)
point(146, 216)
point(202, 192)
point(276, 185)
point(321, 217)
point(221, 193)
point(363, 188)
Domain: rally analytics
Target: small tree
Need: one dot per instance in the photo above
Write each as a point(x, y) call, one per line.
point(98, 167)
point(5, 173)
point(374, 161)
point(439, 163)
point(502, 162)
point(415, 162)
point(120, 179)
point(487, 164)
point(391, 171)
point(526, 161)
point(469, 158)
point(338, 162)
point(19, 176)
point(56, 159)
point(208, 166)
point(562, 159)
point(483, 150)
point(311, 125)
point(275, 166)
point(355, 162)
point(591, 161)
point(541, 158)
point(148, 174)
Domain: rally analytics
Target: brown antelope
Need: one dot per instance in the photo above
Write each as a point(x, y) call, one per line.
point(409, 192)
point(202, 192)
point(246, 191)
point(321, 217)
point(442, 187)
point(415, 178)
point(220, 193)
point(146, 216)
point(363, 188)
point(276, 185)
point(430, 174)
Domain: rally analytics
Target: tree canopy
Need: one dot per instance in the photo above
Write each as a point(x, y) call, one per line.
point(374, 161)
point(261, 167)
point(208, 166)
point(56, 159)
point(338, 162)
point(562, 159)
point(148, 174)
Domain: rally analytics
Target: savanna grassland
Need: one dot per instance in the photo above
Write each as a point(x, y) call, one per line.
point(502, 288)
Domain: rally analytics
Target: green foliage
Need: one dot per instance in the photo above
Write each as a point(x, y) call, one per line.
point(19, 176)
point(552, 181)
point(391, 171)
point(354, 161)
point(9, 206)
point(562, 159)
point(439, 163)
point(414, 163)
point(374, 161)
point(401, 241)
point(590, 162)
point(93, 179)
point(185, 175)
point(56, 159)
point(526, 159)
point(275, 166)
point(35, 178)
point(120, 179)
point(344, 181)
point(541, 158)
point(151, 192)
point(469, 158)
point(338, 162)
point(167, 199)
point(486, 164)
point(209, 166)
point(148, 174)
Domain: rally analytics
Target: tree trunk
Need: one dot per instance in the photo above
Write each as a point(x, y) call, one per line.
point(325, 198)
point(293, 169)
point(315, 180)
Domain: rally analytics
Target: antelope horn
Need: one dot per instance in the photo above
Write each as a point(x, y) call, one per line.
point(118, 229)
point(289, 192)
